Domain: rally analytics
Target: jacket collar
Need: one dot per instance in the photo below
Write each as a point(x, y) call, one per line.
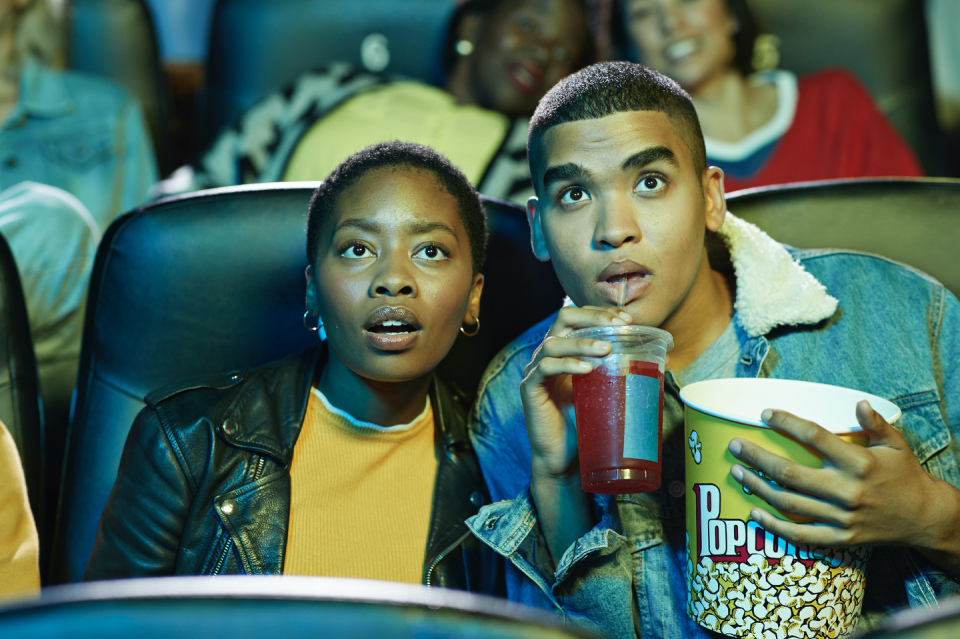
point(271, 428)
point(43, 93)
point(773, 289)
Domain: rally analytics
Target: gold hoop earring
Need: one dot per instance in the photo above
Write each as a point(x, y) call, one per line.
point(319, 325)
point(475, 331)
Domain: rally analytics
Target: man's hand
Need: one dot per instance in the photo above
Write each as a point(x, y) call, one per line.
point(547, 396)
point(865, 496)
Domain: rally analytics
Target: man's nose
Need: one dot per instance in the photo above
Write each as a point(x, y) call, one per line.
point(616, 225)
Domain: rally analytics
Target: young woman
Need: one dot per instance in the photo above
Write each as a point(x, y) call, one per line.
point(350, 459)
point(763, 128)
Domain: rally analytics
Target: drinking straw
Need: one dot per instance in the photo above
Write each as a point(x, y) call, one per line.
point(623, 292)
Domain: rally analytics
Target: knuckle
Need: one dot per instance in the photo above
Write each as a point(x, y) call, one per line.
point(786, 475)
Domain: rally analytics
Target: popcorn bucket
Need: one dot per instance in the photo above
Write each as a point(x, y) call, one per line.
point(743, 581)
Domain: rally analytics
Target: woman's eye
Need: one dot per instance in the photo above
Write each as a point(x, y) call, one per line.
point(430, 253)
point(574, 196)
point(650, 183)
point(356, 251)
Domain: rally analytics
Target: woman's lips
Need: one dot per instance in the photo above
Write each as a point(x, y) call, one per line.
point(678, 51)
point(526, 77)
point(393, 341)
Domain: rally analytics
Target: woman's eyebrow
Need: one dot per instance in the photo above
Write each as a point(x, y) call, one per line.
point(359, 223)
point(649, 156)
point(422, 227)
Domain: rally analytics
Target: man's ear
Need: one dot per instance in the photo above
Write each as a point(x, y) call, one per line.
point(536, 230)
point(312, 303)
point(715, 200)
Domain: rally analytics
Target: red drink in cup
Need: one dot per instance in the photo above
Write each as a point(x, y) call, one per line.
point(619, 410)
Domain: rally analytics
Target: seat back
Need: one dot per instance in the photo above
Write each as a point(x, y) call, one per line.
point(257, 46)
point(20, 408)
point(914, 221)
point(252, 607)
point(116, 39)
point(883, 42)
point(212, 282)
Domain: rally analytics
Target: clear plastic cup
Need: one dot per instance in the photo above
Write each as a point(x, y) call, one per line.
point(619, 409)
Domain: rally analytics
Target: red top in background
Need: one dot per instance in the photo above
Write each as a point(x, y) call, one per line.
point(837, 132)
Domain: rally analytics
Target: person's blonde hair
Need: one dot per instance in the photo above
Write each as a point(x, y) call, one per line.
point(33, 29)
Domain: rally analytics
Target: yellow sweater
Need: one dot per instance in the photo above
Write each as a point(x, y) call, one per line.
point(19, 546)
point(360, 496)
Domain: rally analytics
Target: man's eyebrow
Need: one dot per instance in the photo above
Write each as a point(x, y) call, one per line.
point(563, 172)
point(649, 156)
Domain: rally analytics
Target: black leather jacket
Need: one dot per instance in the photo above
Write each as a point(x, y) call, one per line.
point(204, 483)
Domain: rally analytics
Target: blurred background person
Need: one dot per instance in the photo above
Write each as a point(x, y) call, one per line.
point(501, 56)
point(768, 127)
point(19, 545)
point(77, 132)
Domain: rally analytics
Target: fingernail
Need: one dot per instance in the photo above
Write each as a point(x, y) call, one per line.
point(757, 515)
point(627, 317)
point(735, 447)
point(737, 473)
point(600, 347)
point(766, 416)
point(584, 366)
point(616, 321)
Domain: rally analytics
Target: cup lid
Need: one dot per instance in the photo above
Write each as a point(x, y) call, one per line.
point(632, 333)
point(743, 399)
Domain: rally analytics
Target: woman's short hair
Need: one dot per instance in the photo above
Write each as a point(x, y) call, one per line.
point(400, 155)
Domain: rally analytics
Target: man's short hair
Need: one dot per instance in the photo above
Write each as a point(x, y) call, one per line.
point(400, 155)
point(605, 89)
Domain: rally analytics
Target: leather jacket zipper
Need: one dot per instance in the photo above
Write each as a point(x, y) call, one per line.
point(222, 559)
point(443, 553)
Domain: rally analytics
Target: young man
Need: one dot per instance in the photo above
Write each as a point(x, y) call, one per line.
point(623, 190)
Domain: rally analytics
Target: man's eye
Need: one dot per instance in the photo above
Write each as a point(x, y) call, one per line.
point(357, 251)
point(574, 196)
point(430, 253)
point(650, 183)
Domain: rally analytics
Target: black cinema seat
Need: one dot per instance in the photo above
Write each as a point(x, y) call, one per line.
point(255, 607)
point(20, 405)
point(212, 282)
point(257, 46)
point(914, 221)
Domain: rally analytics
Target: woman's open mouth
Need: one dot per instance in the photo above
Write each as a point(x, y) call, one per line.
point(392, 328)
point(526, 77)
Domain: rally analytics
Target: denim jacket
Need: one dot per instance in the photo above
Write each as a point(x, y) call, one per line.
point(829, 316)
point(79, 133)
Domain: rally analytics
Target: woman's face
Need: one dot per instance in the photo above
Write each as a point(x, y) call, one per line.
point(394, 280)
point(522, 49)
point(690, 41)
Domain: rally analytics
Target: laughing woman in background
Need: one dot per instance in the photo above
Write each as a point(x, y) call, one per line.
point(762, 128)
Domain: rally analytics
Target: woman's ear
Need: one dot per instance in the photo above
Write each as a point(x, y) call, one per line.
point(715, 200)
point(312, 302)
point(473, 303)
point(536, 230)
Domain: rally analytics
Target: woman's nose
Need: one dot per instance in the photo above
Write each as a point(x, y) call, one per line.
point(394, 280)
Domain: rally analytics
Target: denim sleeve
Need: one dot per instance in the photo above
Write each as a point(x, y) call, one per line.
point(947, 364)
point(592, 583)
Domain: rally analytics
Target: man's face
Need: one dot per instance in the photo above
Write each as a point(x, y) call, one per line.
point(620, 199)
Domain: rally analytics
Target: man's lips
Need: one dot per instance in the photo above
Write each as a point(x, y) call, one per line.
point(637, 277)
point(527, 77)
